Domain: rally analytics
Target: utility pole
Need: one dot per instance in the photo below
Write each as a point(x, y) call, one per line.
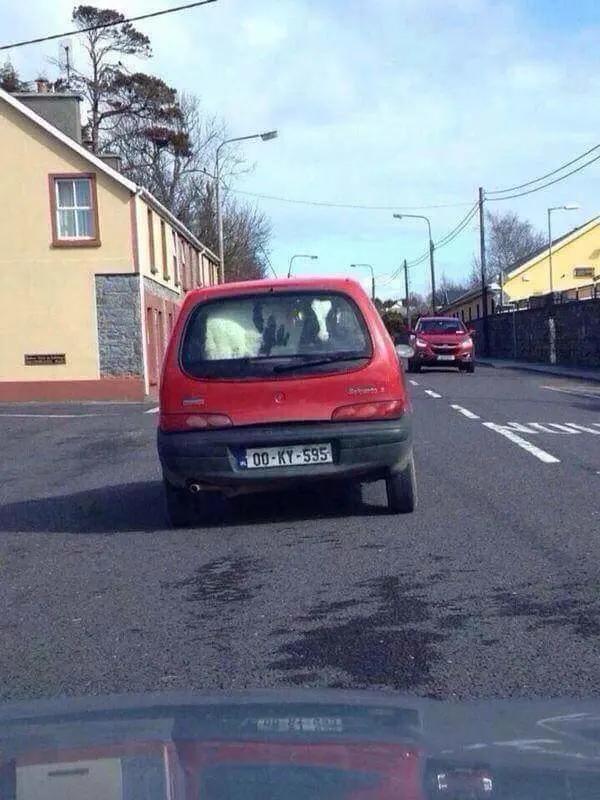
point(486, 335)
point(406, 293)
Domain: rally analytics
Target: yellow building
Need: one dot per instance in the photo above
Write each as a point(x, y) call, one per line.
point(92, 266)
point(573, 261)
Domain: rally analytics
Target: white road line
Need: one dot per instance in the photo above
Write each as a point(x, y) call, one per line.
point(551, 427)
point(547, 458)
point(432, 394)
point(414, 383)
point(579, 392)
point(465, 412)
point(50, 416)
point(583, 428)
point(153, 410)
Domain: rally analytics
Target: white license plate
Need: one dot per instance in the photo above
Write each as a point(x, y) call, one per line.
point(297, 455)
point(445, 358)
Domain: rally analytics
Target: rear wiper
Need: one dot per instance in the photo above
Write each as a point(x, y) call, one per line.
point(320, 362)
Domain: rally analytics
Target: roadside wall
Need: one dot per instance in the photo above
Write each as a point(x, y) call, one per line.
point(568, 333)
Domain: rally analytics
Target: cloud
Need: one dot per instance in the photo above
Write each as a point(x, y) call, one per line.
point(379, 102)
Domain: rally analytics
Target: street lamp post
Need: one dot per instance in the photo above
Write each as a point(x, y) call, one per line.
point(369, 266)
point(299, 255)
point(265, 137)
point(566, 207)
point(431, 249)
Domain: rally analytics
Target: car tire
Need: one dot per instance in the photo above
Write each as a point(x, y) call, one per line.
point(414, 367)
point(470, 367)
point(180, 506)
point(401, 489)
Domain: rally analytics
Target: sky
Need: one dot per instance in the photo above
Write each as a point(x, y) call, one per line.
point(404, 105)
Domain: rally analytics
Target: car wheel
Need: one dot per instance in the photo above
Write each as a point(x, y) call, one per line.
point(401, 489)
point(470, 367)
point(410, 366)
point(415, 367)
point(180, 506)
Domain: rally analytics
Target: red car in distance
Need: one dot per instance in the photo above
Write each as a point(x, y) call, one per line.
point(442, 342)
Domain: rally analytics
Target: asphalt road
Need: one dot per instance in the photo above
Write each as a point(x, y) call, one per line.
point(491, 589)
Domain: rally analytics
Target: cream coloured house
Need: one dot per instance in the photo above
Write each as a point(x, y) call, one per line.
point(92, 266)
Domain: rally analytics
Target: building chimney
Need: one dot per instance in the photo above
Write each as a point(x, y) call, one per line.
point(60, 109)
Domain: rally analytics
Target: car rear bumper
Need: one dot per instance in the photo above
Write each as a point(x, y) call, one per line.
point(364, 450)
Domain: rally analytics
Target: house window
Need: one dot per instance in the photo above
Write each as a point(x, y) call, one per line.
point(153, 269)
point(163, 244)
point(74, 207)
point(470, 315)
point(462, 314)
point(477, 311)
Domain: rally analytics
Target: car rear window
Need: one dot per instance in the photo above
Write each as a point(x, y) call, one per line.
point(441, 326)
point(275, 333)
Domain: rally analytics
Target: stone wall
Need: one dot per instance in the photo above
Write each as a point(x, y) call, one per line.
point(527, 335)
point(119, 325)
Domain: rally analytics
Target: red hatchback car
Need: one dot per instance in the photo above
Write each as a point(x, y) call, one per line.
point(274, 382)
point(441, 342)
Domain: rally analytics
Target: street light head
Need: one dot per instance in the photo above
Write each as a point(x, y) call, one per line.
point(314, 258)
point(571, 206)
point(398, 216)
point(266, 137)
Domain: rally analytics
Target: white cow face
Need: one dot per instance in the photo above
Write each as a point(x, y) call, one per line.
point(322, 309)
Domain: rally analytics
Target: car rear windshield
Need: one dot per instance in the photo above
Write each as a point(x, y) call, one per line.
point(273, 334)
point(440, 326)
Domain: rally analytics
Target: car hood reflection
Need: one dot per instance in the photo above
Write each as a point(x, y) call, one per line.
point(298, 745)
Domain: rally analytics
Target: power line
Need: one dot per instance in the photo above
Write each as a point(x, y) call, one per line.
point(547, 175)
point(545, 186)
point(359, 206)
point(107, 25)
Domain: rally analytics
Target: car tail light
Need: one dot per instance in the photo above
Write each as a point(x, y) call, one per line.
point(186, 422)
point(385, 409)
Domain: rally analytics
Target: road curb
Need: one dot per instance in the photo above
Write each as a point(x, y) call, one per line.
point(541, 371)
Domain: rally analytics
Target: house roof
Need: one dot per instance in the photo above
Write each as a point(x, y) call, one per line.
point(472, 294)
point(102, 166)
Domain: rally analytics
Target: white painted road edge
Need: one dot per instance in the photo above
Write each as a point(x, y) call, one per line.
point(414, 383)
point(465, 412)
point(578, 391)
point(432, 394)
point(50, 416)
point(542, 455)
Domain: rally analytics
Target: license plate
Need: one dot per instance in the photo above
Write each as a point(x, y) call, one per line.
point(445, 358)
point(297, 455)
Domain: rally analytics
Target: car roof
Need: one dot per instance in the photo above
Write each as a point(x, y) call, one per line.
point(244, 287)
point(446, 319)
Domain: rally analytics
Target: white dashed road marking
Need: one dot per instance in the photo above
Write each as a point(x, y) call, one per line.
point(509, 434)
point(414, 383)
point(432, 394)
point(152, 410)
point(465, 412)
point(584, 428)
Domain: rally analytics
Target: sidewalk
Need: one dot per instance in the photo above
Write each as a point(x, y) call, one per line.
point(579, 373)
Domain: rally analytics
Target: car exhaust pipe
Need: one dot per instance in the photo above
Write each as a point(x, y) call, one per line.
point(195, 488)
